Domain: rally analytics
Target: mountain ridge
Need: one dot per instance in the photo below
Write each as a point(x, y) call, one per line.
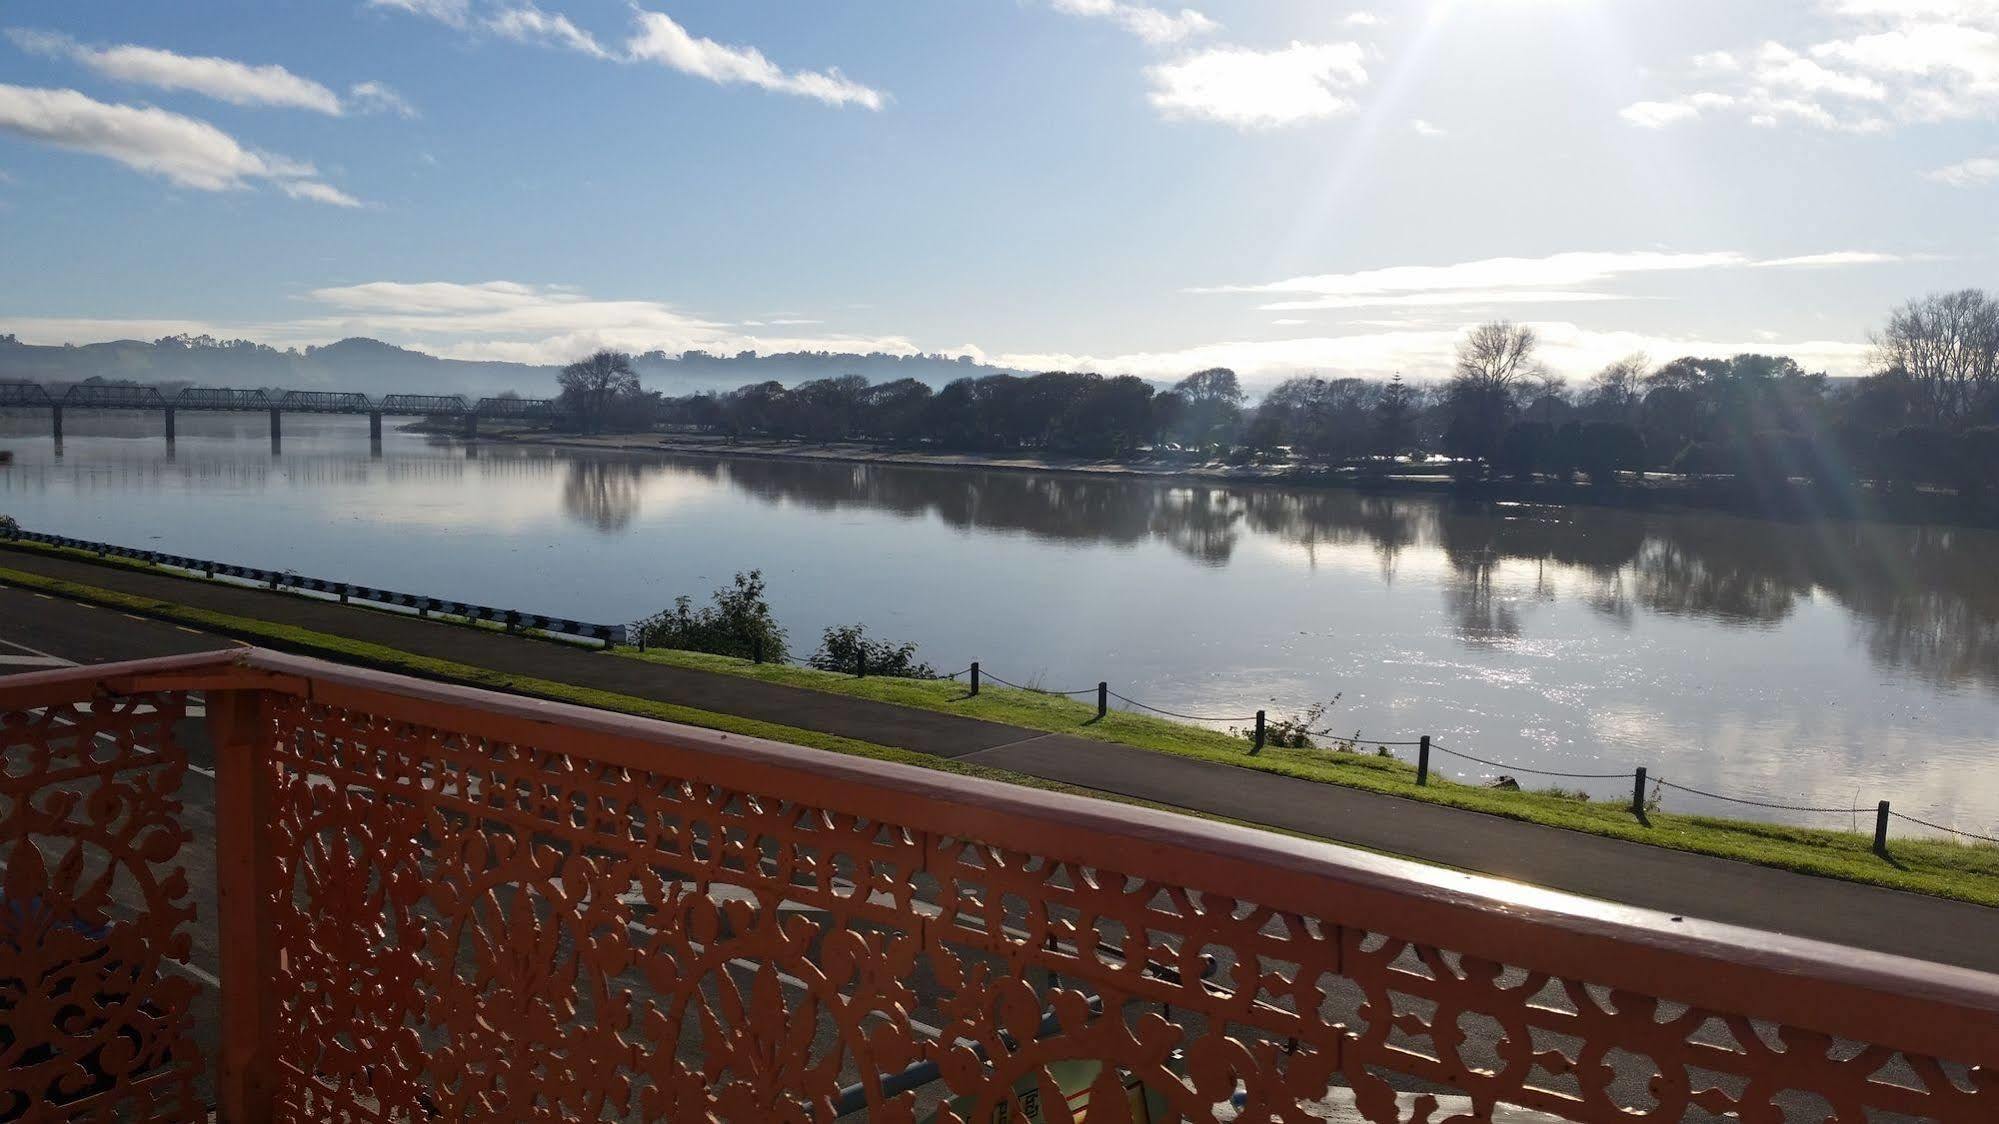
point(371, 366)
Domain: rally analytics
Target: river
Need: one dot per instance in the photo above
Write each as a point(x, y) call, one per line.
point(1830, 665)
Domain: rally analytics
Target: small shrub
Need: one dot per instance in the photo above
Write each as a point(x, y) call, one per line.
point(842, 648)
point(1296, 731)
point(733, 625)
point(9, 529)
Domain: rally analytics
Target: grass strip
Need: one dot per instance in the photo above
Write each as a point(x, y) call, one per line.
point(1940, 867)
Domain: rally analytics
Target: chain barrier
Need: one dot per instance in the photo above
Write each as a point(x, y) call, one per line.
point(1534, 772)
point(1175, 714)
point(1940, 827)
point(984, 674)
point(1663, 782)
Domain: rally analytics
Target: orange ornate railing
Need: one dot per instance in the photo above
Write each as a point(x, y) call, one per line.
point(439, 903)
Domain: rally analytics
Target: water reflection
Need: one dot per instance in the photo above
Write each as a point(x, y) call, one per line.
point(1923, 597)
point(1920, 601)
point(600, 493)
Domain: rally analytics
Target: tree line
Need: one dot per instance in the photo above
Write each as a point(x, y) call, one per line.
point(1927, 414)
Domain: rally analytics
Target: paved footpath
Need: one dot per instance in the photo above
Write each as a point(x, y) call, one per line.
point(1609, 869)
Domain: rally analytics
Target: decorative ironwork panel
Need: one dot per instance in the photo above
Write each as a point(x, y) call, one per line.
point(472, 928)
point(94, 908)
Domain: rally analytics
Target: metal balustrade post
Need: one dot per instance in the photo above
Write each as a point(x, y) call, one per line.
point(246, 1082)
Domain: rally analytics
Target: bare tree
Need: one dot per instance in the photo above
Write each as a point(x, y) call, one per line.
point(591, 386)
point(1617, 388)
point(1948, 346)
point(1494, 358)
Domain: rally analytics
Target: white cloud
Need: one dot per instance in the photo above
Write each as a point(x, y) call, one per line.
point(659, 39)
point(183, 150)
point(1832, 259)
point(539, 323)
point(1898, 62)
point(1969, 173)
point(1425, 129)
point(222, 79)
point(1362, 19)
point(318, 192)
point(529, 24)
point(374, 97)
point(453, 12)
point(656, 38)
point(1261, 89)
point(1566, 278)
point(1154, 25)
point(1423, 353)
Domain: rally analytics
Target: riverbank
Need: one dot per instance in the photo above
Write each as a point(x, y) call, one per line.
point(1666, 860)
point(1790, 501)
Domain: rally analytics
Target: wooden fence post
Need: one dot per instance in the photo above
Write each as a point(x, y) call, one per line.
point(975, 679)
point(1423, 760)
point(1103, 699)
point(1881, 828)
point(1638, 792)
point(1258, 747)
point(238, 723)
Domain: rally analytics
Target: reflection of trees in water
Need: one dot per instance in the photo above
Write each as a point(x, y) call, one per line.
point(1923, 597)
point(602, 492)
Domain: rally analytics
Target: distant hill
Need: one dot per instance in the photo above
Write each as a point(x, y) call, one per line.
point(375, 368)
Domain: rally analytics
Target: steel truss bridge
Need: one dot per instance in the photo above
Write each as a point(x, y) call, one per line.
point(215, 399)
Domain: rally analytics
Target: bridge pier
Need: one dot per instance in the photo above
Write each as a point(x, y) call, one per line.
point(471, 425)
point(170, 425)
point(375, 426)
point(55, 424)
point(277, 431)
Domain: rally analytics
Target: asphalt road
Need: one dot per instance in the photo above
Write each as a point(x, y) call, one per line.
point(39, 632)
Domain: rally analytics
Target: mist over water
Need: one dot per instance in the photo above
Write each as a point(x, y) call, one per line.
point(1833, 665)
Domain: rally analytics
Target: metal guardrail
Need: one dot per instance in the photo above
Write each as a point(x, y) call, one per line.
point(610, 634)
point(544, 896)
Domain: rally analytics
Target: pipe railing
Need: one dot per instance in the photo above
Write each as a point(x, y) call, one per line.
point(439, 902)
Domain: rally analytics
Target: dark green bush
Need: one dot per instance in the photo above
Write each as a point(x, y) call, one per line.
point(738, 623)
point(842, 649)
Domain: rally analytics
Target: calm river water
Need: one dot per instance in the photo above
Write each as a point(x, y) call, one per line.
point(1810, 665)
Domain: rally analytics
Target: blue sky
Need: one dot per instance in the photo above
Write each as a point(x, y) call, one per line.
point(1279, 185)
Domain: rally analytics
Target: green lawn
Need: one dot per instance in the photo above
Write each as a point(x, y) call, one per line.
point(1944, 868)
